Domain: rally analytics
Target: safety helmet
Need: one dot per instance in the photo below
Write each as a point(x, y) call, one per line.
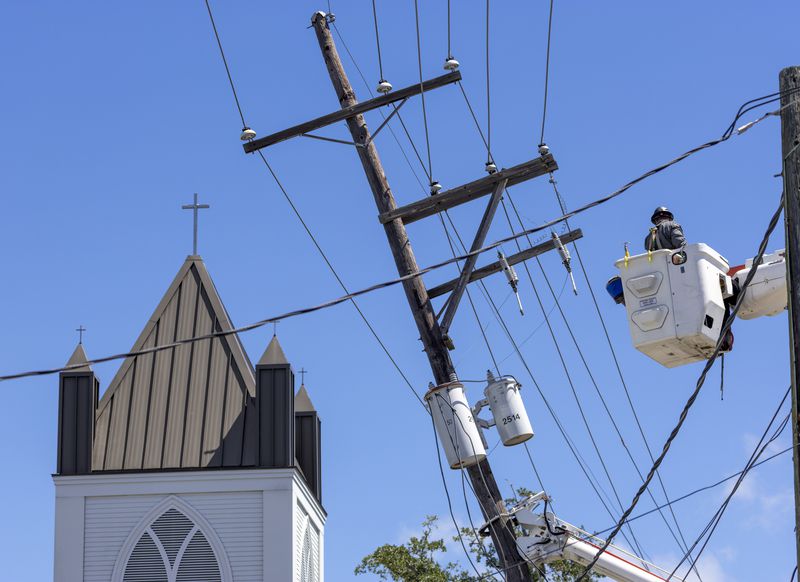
point(659, 212)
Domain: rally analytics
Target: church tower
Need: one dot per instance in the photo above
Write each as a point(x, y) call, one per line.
point(194, 465)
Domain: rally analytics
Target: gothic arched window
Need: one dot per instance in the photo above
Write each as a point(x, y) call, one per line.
point(173, 547)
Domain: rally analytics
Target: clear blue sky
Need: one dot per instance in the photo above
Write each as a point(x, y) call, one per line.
point(113, 114)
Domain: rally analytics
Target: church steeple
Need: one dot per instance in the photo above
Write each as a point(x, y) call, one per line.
point(275, 402)
point(77, 402)
point(308, 441)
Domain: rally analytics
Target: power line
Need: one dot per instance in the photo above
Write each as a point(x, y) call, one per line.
point(684, 547)
point(297, 212)
point(566, 368)
point(225, 62)
point(757, 452)
point(377, 40)
point(422, 93)
point(725, 327)
point(546, 71)
point(545, 226)
point(338, 278)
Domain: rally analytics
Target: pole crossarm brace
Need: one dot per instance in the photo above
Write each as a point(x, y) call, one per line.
point(495, 267)
point(469, 264)
point(482, 187)
point(352, 111)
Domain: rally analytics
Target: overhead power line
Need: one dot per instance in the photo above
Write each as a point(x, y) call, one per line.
point(546, 226)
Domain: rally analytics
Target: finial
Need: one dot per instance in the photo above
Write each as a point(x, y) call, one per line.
point(303, 373)
point(80, 329)
point(194, 207)
point(275, 327)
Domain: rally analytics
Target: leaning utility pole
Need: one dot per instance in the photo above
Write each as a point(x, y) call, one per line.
point(790, 152)
point(481, 476)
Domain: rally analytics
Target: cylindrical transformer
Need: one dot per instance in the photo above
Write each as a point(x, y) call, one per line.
point(508, 410)
point(455, 425)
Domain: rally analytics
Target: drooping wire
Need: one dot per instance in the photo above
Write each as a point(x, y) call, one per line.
point(546, 71)
point(570, 444)
point(757, 452)
point(377, 39)
point(563, 207)
point(225, 62)
point(690, 402)
point(568, 375)
point(422, 93)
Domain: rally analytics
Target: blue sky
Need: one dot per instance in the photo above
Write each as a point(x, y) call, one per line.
point(114, 114)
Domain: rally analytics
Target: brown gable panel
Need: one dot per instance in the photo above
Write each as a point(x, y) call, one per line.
point(186, 407)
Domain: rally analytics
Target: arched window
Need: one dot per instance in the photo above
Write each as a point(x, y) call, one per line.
point(170, 545)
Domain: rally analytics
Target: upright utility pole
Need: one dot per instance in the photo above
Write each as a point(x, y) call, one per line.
point(790, 154)
point(483, 482)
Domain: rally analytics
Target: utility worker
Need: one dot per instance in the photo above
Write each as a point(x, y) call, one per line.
point(666, 234)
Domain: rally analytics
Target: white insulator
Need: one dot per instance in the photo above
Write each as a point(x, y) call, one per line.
point(450, 64)
point(491, 167)
point(247, 134)
point(508, 410)
point(384, 86)
point(455, 425)
point(435, 188)
point(543, 149)
point(508, 270)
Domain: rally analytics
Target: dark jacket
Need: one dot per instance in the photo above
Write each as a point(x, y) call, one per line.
point(668, 235)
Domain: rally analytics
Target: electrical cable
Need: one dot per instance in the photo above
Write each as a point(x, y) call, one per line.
point(570, 444)
point(338, 278)
point(546, 71)
point(488, 93)
point(297, 212)
point(449, 52)
point(449, 501)
point(565, 367)
point(225, 62)
point(422, 93)
point(725, 327)
point(757, 452)
point(682, 543)
point(377, 40)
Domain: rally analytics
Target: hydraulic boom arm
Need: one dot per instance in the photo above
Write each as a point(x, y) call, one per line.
point(550, 539)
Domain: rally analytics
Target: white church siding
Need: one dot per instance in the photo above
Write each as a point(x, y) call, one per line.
point(250, 511)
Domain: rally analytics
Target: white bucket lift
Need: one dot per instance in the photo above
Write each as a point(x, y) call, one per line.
point(675, 305)
point(766, 294)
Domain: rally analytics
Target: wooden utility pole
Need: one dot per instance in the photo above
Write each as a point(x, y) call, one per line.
point(790, 153)
point(483, 482)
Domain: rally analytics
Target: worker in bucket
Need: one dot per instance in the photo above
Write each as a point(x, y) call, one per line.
point(666, 234)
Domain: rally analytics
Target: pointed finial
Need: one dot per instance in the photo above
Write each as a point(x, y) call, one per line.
point(275, 328)
point(303, 373)
point(80, 329)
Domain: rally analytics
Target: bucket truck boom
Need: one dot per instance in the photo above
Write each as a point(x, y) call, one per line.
point(549, 539)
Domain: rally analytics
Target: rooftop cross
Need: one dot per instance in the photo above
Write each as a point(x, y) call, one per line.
point(275, 327)
point(303, 373)
point(80, 329)
point(195, 207)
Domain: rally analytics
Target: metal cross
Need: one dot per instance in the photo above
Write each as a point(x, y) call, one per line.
point(195, 207)
point(303, 373)
point(80, 331)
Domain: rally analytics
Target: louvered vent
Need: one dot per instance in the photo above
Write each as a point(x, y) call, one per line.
point(145, 563)
point(198, 563)
point(309, 564)
point(189, 556)
point(172, 528)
